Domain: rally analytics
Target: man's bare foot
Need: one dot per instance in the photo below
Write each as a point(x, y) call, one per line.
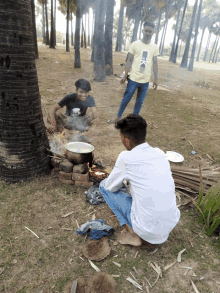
point(126, 237)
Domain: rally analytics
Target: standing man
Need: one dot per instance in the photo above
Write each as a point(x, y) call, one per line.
point(142, 55)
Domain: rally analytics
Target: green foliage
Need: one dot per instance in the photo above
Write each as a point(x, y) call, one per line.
point(209, 207)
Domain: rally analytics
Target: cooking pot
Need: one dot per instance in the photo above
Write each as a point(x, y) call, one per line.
point(79, 152)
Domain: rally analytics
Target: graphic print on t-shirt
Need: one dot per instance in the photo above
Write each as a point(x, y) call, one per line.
point(76, 111)
point(143, 60)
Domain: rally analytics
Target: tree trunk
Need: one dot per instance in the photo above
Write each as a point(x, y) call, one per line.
point(162, 37)
point(55, 22)
point(207, 47)
point(214, 55)
point(67, 25)
point(216, 58)
point(140, 29)
point(94, 24)
point(191, 62)
point(77, 63)
point(161, 53)
point(174, 37)
point(200, 46)
point(179, 34)
point(34, 29)
point(23, 139)
point(71, 29)
point(43, 24)
point(108, 37)
point(135, 29)
point(89, 43)
point(81, 33)
point(213, 49)
point(47, 26)
point(120, 27)
point(180, 48)
point(99, 42)
point(52, 45)
point(158, 28)
point(186, 51)
point(84, 29)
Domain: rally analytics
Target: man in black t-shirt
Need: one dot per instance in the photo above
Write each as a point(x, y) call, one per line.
point(77, 104)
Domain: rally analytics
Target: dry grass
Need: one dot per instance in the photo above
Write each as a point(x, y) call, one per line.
point(48, 263)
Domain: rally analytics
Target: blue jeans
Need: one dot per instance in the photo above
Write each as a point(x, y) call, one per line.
point(142, 89)
point(119, 202)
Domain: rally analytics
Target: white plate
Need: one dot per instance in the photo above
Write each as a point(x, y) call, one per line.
point(174, 157)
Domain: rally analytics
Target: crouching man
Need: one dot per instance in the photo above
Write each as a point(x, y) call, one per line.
point(77, 116)
point(149, 212)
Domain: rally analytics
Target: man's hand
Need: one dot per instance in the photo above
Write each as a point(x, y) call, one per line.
point(96, 122)
point(123, 79)
point(155, 85)
point(52, 128)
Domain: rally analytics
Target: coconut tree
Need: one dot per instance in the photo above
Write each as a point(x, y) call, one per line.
point(52, 33)
point(77, 63)
point(119, 41)
point(34, 28)
point(204, 22)
point(42, 3)
point(47, 25)
point(186, 51)
point(23, 140)
point(160, 5)
point(190, 67)
point(108, 37)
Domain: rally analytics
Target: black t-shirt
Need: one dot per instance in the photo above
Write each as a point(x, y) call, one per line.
point(71, 102)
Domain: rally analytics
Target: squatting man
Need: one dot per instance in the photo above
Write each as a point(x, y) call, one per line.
point(80, 113)
point(149, 211)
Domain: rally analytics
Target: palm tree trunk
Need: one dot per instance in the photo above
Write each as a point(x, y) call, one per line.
point(162, 48)
point(108, 37)
point(89, 42)
point(47, 26)
point(162, 37)
point(158, 28)
point(84, 29)
point(77, 63)
point(55, 22)
point(210, 57)
point(179, 34)
point(67, 25)
point(120, 27)
point(174, 37)
point(71, 29)
point(207, 47)
point(214, 55)
point(140, 29)
point(191, 62)
point(52, 27)
point(135, 29)
point(99, 42)
point(200, 46)
point(186, 51)
point(34, 29)
point(216, 58)
point(23, 139)
point(82, 32)
point(180, 48)
point(43, 24)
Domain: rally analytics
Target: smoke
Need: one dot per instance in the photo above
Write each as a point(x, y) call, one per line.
point(80, 123)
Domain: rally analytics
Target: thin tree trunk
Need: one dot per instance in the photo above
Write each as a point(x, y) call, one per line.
point(89, 42)
point(23, 138)
point(214, 55)
point(216, 59)
point(94, 24)
point(180, 49)
point(186, 51)
point(135, 29)
point(81, 32)
point(108, 37)
point(191, 62)
point(77, 63)
point(43, 25)
point(207, 47)
point(179, 34)
point(200, 46)
point(55, 21)
point(158, 28)
point(140, 29)
point(52, 27)
point(67, 25)
point(34, 29)
point(120, 27)
point(85, 45)
point(47, 26)
point(162, 48)
point(161, 40)
point(213, 48)
point(174, 37)
point(71, 29)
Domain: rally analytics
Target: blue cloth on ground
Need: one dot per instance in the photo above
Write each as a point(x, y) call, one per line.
point(97, 228)
point(94, 196)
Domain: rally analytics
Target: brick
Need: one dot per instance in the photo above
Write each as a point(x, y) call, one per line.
point(66, 166)
point(65, 181)
point(80, 168)
point(56, 162)
point(63, 175)
point(83, 184)
point(55, 172)
point(80, 177)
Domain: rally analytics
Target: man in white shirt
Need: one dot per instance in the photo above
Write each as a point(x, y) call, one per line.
point(149, 212)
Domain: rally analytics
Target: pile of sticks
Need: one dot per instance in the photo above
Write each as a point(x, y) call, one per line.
point(189, 180)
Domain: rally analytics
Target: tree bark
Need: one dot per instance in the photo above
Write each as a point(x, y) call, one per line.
point(67, 25)
point(214, 55)
point(179, 34)
point(216, 58)
point(84, 29)
point(71, 29)
point(99, 42)
point(89, 42)
point(200, 46)
point(158, 28)
point(210, 57)
point(174, 37)
point(140, 29)
point(43, 24)
point(52, 44)
point(162, 48)
point(77, 63)
point(81, 33)
point(135, 29)
point(47, 26)
point(186, 51)
point(108, 37)
point(55, 22)
point(191, 62)
point(34, 29)
point(120, 27)
point(23, 139)
point(207, 47)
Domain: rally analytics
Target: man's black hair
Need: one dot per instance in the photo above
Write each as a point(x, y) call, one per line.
point(134, 127)
point(149, 23)
point(83, 84)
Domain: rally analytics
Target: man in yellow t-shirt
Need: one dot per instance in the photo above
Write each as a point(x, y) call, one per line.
point(142, 56)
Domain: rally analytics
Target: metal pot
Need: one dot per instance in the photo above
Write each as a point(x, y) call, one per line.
point(79, 152)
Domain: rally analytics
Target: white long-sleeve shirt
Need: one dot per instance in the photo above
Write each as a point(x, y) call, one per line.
point(154, 212)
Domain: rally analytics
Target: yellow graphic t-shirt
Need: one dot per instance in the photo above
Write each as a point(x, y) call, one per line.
point(143, 61)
